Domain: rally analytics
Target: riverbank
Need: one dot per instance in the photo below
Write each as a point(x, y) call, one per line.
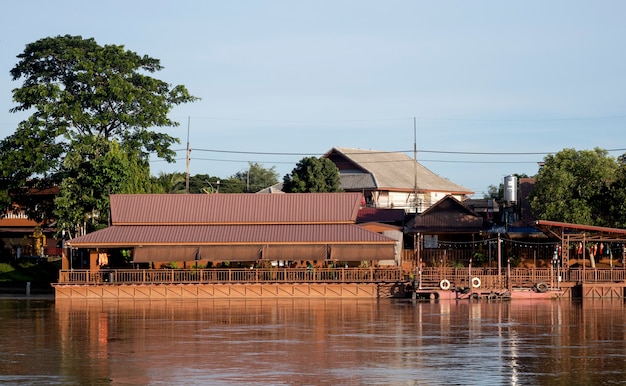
point(23, 288)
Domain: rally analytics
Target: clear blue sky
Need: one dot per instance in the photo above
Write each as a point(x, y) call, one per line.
point(301, 77)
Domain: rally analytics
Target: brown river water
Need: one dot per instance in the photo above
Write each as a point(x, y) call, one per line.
point(312, 342)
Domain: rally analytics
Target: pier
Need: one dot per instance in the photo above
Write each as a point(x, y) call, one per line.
point(373, 282)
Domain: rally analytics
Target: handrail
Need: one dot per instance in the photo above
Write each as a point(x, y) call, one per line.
point(429, 277)
point(231, 275)
point(518, 277)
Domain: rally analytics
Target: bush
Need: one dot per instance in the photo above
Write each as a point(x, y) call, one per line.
point(39, 271)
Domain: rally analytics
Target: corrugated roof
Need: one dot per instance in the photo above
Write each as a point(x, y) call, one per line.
point(395, 170)
point(294, 208)
point(135, 235)
point(350, 181)
point(447, 215)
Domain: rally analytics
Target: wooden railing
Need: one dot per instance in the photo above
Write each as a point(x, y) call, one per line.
point(516, 277)
point(428, 278)
point(597, 275)
point(242, 275)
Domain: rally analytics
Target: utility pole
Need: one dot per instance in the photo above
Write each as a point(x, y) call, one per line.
point(188, 158)
point(415, 164)
point(418, 256)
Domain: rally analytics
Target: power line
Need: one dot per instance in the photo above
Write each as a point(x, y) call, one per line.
point(390, 152)
point(373, 152)
point(241, 161)
point(426, 118)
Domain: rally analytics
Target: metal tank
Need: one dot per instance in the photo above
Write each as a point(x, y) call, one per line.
point(510, 189)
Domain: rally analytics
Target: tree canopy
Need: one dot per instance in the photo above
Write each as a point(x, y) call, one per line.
point(580, 187)
point(313, 175)
point(91, 108)
point(253, 179)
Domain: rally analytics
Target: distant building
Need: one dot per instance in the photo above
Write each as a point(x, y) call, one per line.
point(21, 236)
point(392, 179)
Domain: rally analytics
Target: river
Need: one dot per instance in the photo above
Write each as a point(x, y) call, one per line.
point(312, 342)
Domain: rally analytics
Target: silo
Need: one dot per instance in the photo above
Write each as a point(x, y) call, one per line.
point(510, 189)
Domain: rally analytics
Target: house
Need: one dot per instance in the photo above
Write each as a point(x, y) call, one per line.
point(242, 229)
point(21, 236)
point(447, 231)
point(392, 179)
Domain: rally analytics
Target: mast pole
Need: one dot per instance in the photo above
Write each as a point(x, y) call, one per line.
point(188, 158)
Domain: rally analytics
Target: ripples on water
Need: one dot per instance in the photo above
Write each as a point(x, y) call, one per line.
point(312, 342)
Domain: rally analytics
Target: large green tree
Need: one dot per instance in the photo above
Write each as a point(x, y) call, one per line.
point(575, 186)
point(313, 175)
point(616, 207)
point(91, 109)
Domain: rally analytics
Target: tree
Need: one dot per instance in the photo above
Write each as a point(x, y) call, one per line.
point(574, 186)
point(256, 177)
point(312, 175)
point(203, 183)
point(495, 192)
point(171, 182)
point(616, 206)
point(92, 107)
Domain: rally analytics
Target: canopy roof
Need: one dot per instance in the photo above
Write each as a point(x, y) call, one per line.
point(580, 232)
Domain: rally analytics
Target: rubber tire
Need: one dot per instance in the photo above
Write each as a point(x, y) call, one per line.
point(541, 288)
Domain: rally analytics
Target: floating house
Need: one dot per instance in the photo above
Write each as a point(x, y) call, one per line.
point(227, 229)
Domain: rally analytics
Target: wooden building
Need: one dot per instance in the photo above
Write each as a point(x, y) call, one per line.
point(225, 229)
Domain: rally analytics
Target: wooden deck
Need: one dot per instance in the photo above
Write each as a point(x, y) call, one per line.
point(438, 283)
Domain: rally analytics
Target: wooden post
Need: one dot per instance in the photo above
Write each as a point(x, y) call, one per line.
point(499, 262)
point(65, 259)
point(93, 260)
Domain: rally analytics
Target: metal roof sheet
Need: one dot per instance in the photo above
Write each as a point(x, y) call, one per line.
point(447, 215)
point(294, 208)
point(135, 235)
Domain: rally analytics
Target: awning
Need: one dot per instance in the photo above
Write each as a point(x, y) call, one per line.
point(191, 253)
point(164, 254)
point(362, 252)
point(295, 252)
point(347, 252)
point(230, 252)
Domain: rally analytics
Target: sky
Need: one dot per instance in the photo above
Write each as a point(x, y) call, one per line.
point(483, 89)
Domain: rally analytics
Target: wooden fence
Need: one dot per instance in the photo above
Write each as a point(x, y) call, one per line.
point(430, 277)
point(517, 277)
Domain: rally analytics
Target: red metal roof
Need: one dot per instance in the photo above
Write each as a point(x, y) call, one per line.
point(135, 235)
point(589, 231)
point(295, 208)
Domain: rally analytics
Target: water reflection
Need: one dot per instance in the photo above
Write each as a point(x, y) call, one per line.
point(312, 342)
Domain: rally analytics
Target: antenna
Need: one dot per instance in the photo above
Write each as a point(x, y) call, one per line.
point(188, 158)
point(415, 163)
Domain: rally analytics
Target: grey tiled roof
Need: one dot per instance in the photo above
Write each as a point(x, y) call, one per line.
point(352, 181)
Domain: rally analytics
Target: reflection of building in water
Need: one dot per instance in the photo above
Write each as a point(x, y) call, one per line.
point(309, 341)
